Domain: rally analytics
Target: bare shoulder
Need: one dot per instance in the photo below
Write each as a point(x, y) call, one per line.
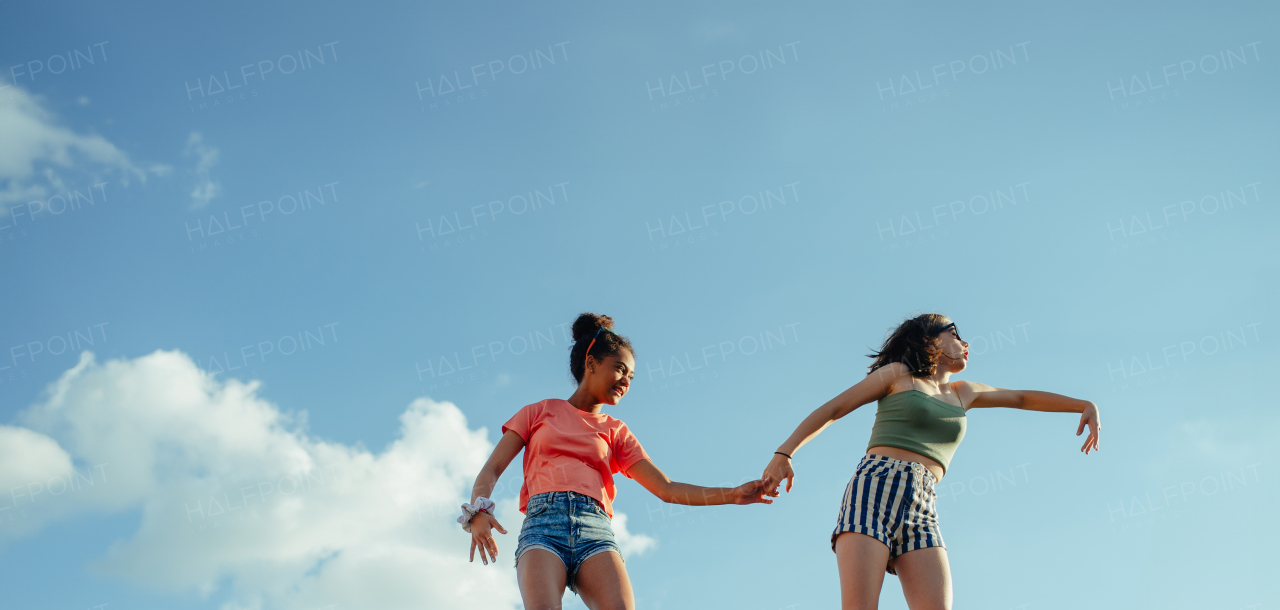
point(891, 378)
point(972, 386)
point(876, 385)
point(977, 395)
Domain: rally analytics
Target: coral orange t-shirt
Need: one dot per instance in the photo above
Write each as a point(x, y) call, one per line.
point(571, 450)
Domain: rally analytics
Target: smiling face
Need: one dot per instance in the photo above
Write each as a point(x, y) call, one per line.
point(955, 351)
point(611, 378)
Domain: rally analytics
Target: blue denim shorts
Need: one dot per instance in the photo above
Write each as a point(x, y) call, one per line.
point(570, 525)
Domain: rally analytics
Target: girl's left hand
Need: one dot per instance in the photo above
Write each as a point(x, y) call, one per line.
point(1090, 418)
point(751, 493)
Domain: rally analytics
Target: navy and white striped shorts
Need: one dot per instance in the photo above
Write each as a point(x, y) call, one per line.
point(892, 501)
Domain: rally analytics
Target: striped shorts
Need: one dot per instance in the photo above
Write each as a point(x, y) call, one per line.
point(892, 501)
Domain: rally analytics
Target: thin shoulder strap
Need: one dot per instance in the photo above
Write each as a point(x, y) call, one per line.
point(953, 389)
point(913, 379)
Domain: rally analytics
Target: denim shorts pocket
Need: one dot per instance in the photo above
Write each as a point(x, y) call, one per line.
point(535, 508)
point(601, 513)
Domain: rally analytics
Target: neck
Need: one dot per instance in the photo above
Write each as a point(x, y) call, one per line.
point(941, 377)
point(583, 401)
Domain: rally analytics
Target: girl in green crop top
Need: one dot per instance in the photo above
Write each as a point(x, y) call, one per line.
point(888, 520)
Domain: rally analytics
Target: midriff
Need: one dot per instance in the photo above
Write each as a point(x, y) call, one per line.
point(908, 456)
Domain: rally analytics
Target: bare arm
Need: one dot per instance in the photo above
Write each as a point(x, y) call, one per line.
point(508, 448)
point(985, 396)
point(873, 387)
point(647, 474)
point(982, 395)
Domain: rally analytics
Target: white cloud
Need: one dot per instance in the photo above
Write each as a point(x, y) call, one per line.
point(35, 152)
point(630, 544)
point(236, 498)
point(206, 188)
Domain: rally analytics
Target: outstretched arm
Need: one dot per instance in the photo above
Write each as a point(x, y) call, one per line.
point(985, 396)
point(873, 387)
point(647, 474)
point(508, 448)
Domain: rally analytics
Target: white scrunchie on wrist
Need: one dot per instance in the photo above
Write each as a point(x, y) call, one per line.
point(469, 511)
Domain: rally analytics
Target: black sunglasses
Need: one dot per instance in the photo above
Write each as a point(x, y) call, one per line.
point(953, 327)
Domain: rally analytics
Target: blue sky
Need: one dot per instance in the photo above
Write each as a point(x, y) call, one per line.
point(334, 248)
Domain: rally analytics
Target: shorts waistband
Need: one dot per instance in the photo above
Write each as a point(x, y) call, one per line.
point(566, 496)
point(901, 465)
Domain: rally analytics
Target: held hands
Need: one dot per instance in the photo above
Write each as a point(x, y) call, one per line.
point(482, 537)
point(779, 468)
point(753, 492)
point(1090, 418)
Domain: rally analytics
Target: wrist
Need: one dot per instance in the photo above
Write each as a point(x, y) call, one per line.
point(469, 512)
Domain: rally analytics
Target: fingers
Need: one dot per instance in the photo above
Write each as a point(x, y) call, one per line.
point(759, 494)
point(488, 549)
point(498, 526)
point(771, 485)
point(1091, 442)
point(1080, 428)
point(790, 479)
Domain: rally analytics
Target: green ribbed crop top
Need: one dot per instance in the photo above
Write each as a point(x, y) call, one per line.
point(916, 421)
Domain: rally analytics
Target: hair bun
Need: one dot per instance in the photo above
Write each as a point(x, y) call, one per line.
point(585, 327)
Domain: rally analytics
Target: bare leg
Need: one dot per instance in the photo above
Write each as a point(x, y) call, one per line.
point(861, 560)
point(542, 579)
point(925, 575)
point(603, 583)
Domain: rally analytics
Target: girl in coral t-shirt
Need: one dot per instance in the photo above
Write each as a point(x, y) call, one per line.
point(572, 451)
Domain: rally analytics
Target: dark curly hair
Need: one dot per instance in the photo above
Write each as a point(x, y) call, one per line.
point(912, 344)
point(607, 342)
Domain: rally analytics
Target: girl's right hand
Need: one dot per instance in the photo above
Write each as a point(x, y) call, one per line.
point(482, 537)
point(779, 468)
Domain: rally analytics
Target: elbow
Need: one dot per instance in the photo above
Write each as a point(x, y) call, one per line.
point(834, 412)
